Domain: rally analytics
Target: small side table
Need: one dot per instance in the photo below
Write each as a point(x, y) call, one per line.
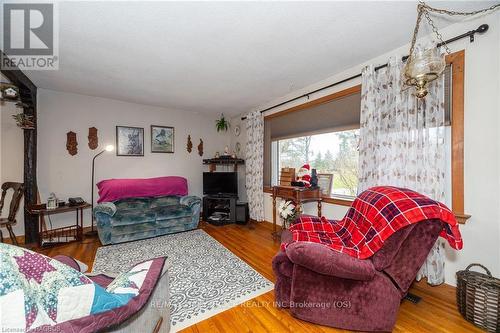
point(299, 195)
point(60, 235)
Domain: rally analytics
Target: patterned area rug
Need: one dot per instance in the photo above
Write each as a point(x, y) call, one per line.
point(205, 278)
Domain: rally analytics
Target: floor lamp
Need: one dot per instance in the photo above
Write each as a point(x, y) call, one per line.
point(108, 148)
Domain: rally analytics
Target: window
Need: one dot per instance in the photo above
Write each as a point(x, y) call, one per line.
point(333, 153)
point(324, 133)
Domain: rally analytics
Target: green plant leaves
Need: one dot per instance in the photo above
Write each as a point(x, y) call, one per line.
point(222, 124)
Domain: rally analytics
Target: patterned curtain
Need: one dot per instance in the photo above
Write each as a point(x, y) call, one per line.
point(255, 165)
point(402, 142)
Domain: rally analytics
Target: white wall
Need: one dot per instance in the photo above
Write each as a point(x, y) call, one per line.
point(12, 160)
point(481, 234)
point(236, 121)
point(69, 176)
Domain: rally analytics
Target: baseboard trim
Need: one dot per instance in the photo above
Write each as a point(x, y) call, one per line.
point(7, 240)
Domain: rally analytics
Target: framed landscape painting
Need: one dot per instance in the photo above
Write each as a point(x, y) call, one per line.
point(162, 139)
point(129, 141)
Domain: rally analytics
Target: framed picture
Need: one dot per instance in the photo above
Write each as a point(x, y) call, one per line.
point(325, 182)
point(129, 141)
point(162, 139)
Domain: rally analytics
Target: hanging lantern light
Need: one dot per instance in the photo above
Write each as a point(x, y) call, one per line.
point(425, 65)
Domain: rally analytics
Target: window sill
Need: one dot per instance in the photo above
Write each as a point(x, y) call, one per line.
point(337, 201)
point(462, 218)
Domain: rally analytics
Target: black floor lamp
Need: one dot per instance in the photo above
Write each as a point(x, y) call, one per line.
point(108, 148)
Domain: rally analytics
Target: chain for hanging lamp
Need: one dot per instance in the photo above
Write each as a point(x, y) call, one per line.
point(426, 65)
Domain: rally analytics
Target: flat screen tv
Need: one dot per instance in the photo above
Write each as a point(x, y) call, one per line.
point(220, 183)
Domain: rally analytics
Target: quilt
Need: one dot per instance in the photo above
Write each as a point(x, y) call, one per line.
point(41, 294)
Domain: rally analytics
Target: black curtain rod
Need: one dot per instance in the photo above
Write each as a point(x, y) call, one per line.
point(481, 29)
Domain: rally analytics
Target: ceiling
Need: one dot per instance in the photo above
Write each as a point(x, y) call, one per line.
point(213, 57)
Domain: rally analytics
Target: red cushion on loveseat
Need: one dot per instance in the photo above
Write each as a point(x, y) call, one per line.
point(115, 189)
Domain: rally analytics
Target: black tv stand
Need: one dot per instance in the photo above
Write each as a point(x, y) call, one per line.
point(222, 195)
point(219, 209)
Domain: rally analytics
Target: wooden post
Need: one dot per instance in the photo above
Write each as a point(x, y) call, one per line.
point(30, 181)
point(28, 94)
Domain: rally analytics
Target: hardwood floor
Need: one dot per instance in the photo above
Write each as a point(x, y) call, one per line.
point(437, 312)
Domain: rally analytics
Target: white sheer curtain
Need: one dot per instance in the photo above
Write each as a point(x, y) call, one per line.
point(402, 142)
point(255, 165)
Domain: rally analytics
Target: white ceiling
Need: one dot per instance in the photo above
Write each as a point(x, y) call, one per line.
point(215, 57)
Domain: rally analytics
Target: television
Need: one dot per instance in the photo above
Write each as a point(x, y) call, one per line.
point(220, 183)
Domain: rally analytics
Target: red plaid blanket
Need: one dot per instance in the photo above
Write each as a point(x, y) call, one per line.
point(374, 216)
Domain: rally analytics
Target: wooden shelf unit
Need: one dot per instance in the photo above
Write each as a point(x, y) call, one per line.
point(214, 162)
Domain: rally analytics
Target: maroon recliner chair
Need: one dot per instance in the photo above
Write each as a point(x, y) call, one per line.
point(334, 289)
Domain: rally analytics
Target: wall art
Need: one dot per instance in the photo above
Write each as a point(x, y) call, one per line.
point(93, 140)
point(129, 141)
point(162, 139)
point(71, 143)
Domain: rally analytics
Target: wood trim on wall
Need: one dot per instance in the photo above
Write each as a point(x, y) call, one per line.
point(457, 61)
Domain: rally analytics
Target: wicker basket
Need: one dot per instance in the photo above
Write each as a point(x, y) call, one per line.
point(478, 298)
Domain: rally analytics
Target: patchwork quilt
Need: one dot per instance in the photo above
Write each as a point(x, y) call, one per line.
point(40, 294)
point(374, 216)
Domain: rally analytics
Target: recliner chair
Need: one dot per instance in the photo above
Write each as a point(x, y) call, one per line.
point(334, 289)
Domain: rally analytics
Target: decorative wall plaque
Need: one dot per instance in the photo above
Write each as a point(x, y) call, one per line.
point(189, 146)
point(93, 139)
point(200, 148)
point(71, 143)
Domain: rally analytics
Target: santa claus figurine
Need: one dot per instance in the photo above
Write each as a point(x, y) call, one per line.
point(304, 175)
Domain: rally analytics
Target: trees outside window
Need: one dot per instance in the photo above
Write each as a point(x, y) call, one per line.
point(335, 152)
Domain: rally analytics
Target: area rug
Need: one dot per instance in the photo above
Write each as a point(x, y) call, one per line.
point(205, 278)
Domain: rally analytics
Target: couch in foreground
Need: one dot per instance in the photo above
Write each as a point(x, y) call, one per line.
point(132, 209)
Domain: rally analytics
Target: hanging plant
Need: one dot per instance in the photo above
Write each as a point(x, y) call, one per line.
point(24, 121)
point(221, 124)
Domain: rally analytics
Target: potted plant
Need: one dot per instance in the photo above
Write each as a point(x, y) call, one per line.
point(221, 124)
point(288, 212)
